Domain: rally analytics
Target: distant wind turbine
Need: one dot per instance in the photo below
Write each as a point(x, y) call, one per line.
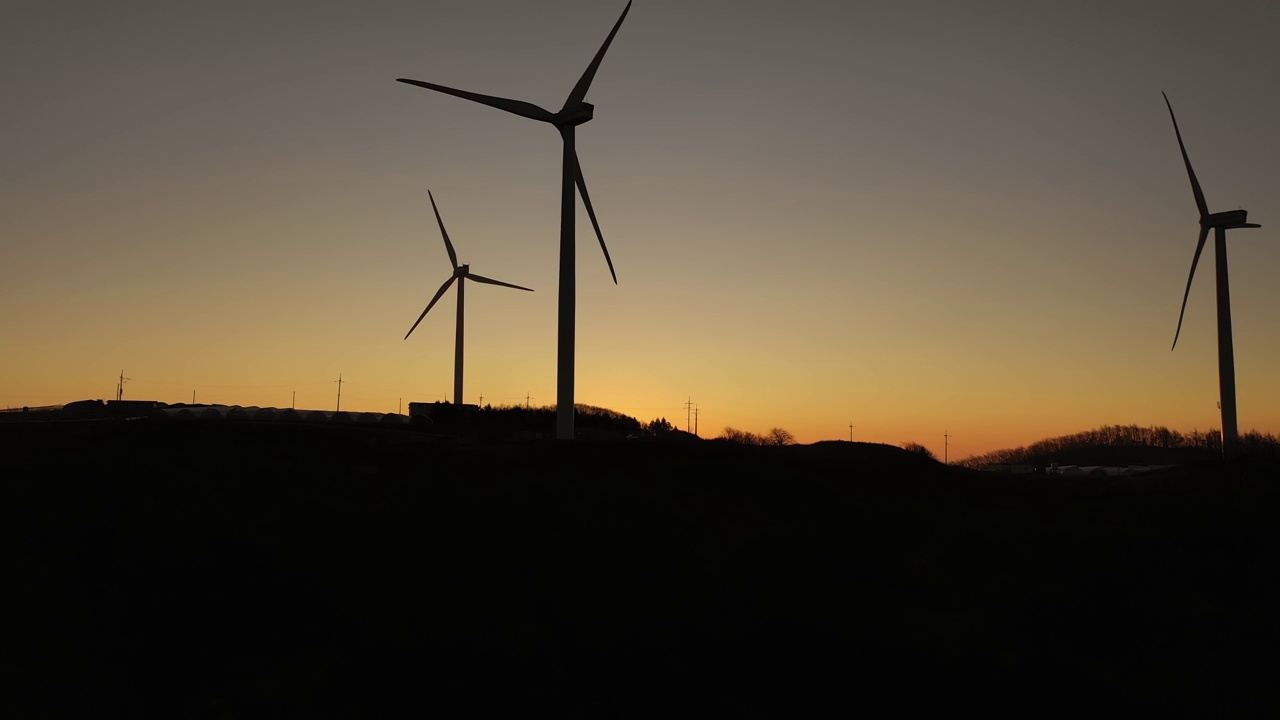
point(1219, 223)
point(574, 113)
point(461, 273)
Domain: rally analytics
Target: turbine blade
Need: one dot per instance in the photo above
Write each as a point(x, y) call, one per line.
point(591, 213)
point(490, 281)
point(453, 256)
point(517, 107)
point(434, 300)
point(1204, 233)
point(584, 83)
point(1195, 184)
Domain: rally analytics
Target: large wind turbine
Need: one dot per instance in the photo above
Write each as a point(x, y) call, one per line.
point(1219, 223)
point(461, 273)
point(574, 113)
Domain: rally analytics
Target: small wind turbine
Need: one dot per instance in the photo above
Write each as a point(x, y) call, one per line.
point(574, 113)
point(461, 273)
point(1219, 223)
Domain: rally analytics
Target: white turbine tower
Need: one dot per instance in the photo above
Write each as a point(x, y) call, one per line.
point(461, 273)
point(574, 113)
point(1219, 223)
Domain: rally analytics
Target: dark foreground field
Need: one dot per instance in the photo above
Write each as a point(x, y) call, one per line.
point(229, 571)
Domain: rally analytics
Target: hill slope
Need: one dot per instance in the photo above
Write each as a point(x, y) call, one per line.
point(231, 571)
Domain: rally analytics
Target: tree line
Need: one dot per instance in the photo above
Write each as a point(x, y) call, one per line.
point(501, 420)
point(1126, 445)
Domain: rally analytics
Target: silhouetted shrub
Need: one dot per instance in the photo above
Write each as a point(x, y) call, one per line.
point(918, 449)
point(659, 427)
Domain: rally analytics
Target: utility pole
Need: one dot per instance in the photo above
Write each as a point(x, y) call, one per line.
point(688, 413)
point(120, 386)
point(339, 408)
point(695, 419)
point(946, 448)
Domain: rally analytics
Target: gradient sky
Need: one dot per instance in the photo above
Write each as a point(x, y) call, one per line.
point(918, 217)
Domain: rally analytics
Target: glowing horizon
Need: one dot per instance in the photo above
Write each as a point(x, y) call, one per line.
point(971, 221)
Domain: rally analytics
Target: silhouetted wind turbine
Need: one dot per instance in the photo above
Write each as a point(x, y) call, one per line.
point(574, 113)
point(461, 273)
point(1219, 223)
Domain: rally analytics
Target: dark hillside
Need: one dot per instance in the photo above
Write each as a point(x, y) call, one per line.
point(285, 570)
point(1124, 445)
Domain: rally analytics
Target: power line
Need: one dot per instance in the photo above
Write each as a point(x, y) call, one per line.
point(396, 392)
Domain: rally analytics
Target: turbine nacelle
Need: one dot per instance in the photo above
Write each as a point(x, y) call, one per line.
point(462, 270)
point(571, 117)
point(1229, 219)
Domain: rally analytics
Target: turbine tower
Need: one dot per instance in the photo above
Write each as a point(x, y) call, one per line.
point(575, 112)
point(1218, 222)
point(461, 273)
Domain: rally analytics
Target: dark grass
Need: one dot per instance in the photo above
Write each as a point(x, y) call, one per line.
point(275, 570)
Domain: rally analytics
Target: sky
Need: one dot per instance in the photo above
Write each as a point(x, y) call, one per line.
point(914, 217)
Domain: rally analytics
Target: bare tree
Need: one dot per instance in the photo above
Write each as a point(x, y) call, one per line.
point(741, 437)
point(776, 436)
point(779, 436)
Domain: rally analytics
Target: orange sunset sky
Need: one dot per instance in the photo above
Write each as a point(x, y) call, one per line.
point(917, 217)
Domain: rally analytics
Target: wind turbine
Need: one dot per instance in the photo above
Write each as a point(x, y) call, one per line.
point(461, 273)
point(575, 112)
point(1218, 222)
